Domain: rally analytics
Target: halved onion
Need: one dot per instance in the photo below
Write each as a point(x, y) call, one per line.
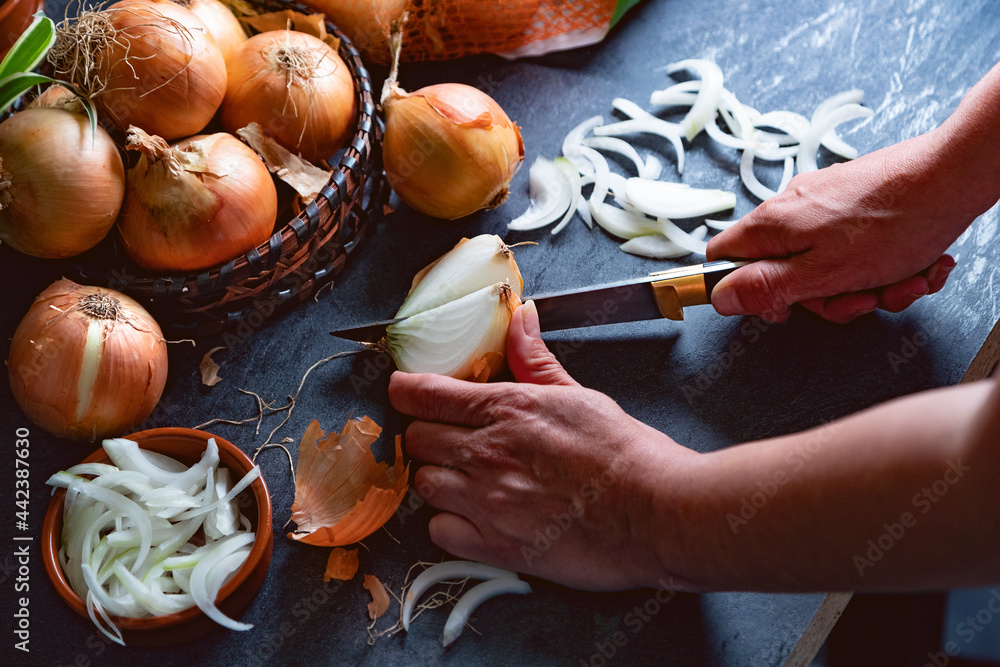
point(464, 338)
point(471, 265)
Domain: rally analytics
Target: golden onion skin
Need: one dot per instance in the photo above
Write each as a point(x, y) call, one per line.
point(449, 149)
point(192, 221)
point(171, 84)
point(47, 354)
point(65, 183)
point(313, 117)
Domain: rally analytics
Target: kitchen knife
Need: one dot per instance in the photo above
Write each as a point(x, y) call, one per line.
point(661, 294)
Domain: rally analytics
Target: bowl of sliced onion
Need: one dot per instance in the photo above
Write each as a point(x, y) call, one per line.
point(160, 537)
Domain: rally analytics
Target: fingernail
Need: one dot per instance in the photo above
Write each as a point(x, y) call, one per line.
point(863, 311)
point(529, 320)
point(727, 301)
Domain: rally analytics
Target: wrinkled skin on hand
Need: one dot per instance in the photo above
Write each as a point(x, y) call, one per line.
point(543, 476)
point(852, 237)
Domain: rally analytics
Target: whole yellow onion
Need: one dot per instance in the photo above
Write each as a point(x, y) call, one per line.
point(87, 362)
point(148, 63)
point(61, 185)
point(222, 24)
point(449, 149)
point(198, 203)
point(296, 88)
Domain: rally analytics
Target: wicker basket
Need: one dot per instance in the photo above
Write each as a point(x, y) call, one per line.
point(302, 256)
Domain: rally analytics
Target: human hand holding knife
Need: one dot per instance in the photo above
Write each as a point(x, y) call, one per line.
point(660, 294)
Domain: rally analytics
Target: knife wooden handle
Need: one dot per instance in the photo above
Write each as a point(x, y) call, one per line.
point(674, 293)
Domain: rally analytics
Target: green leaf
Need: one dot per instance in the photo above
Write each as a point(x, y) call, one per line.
point(30, 48)
point(18, 84)
point(621, 7)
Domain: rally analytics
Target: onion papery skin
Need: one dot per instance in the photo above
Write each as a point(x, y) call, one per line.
point(171, 84)
point(221, 203)
point(65, 183)
point(312, 115)
point(449, 149)
point(81, 376)
point(222, 24)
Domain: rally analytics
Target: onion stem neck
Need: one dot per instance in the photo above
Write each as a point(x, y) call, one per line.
point(391, 85)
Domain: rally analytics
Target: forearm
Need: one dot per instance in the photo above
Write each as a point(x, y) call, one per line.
point(900, 496)
point(969, 145)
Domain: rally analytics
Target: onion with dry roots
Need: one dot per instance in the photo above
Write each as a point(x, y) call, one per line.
point(222, 24)
point(296, 87)
point(198, 203)
point(449, 149)
point(148, 63)
point(61, 186)
point(87, 362)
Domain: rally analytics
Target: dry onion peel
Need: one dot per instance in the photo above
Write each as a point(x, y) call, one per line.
point(380, 597)
point(471, 600)
point(341, 565)
point(220, 22)
point(209, 369)
point(310, 24)
point(453, 569)
point(342, 495)
point(304, 177)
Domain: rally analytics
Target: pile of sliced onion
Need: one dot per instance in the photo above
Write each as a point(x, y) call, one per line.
point(149, 536)
point(645, 205)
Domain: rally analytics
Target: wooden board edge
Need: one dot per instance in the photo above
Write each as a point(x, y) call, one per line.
point(818, 630)
point(985, 361)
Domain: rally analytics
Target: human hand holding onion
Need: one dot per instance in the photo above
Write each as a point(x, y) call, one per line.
point(544, 476)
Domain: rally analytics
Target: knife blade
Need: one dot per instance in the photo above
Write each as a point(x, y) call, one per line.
point(660, 294)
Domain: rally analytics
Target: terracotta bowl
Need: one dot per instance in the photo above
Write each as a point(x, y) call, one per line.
point(15, 16)
point(186, 445)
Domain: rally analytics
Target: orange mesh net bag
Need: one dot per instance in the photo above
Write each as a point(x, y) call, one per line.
point(445, 29)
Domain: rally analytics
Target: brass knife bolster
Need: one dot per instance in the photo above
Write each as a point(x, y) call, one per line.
point(674, 294)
